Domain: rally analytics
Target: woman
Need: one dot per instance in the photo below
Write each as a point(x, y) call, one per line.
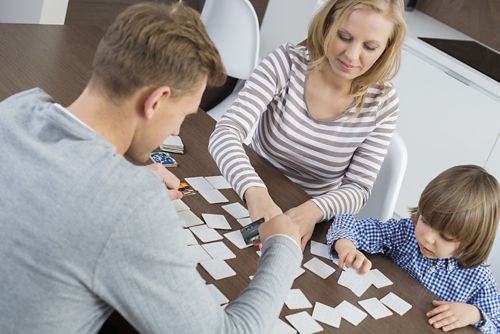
point(325, 113)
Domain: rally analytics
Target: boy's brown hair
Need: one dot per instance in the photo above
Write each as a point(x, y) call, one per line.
point(464, 203)
point(153, 44)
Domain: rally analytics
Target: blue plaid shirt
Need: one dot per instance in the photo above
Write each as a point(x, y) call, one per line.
point(444, 277)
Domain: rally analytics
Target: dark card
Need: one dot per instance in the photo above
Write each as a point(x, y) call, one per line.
point(250, 232)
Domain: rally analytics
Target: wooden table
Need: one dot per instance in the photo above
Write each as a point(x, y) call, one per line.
point(58, 59)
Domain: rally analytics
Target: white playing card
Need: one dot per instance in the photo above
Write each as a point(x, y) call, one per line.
point(259, 253)
point(396, 303)
point(280, 327)
point(173, 141)
point(304, 323)
point(218, 182)
point(216, 221)
point(218, 250)
point(299, 272)
point(378, 279)
point(189, 218)
point(218, 268)
point(319, 249)
point(244, 221)
point(326, 314)
point(213, 196)
point(236, 210)
point(218, 296)
point(375, 308)
point(237, 239)
point(196, 253)
point(296, 300)
point(350, 313)
point(179, 205)
point(319, 267)
point(356, 282)
point(189, 237)
point(198, 183)
point(205, 233)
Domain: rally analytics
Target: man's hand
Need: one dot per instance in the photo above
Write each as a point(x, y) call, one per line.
point(306, 215)
point(170, 180)
point(260, 204)
point(452, 315)
point(280, 224)
point(351, 257)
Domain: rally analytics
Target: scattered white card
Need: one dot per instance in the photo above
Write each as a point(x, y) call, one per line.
point(218, 268)
point(213, 196)
point(189, 218)
point(197, 254)
point(319, 267)
point(198, 183)
point(218, 296)
point(375, 308)
point(378, 279)
point(319, 249)
point(205, 233)
point(304, 323)
point(299, 272)
point(326, 314)
point(216, 221)
point(236, 210)
point(237, 239)
point(357, 283)
point(244, 221)
point(297, 300)
point(280, 327)
point(218, 182)
point(189, 237)
point(173, 141)
point(218, 250)
point(350, 313)
point(179, 205)
point(259, 253)
point(396, 303)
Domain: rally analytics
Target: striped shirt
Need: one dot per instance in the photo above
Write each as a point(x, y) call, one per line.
point(444, 277)
point(336, 162)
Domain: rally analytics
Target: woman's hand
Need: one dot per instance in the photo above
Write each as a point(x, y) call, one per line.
point(351, 257)
point(306, 216)
point(169, 179)
point(260, 204)
point(452, 315)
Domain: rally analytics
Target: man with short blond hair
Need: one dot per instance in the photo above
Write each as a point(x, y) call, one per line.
point(86, 232)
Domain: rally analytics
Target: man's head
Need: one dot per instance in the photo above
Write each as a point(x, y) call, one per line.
point(162, 58)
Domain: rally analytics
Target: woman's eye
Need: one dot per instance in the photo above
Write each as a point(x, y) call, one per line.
point(370, 47)
point(344, 37)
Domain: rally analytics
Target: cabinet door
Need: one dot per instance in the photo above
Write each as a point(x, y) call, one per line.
point(443, 123)
point(493, 167)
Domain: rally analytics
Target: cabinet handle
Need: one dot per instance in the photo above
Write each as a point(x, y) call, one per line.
point(458, 77)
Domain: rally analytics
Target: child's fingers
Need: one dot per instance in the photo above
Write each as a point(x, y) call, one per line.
point(349, 259)
point(439, 302)
point(358, 260)
point(452, 326)
point(367, 265)
point(437, 310)
point(446, 319)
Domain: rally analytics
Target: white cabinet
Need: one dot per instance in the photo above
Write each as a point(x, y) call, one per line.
point(443, 122)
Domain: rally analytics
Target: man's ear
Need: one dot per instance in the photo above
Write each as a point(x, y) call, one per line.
point(152, 101)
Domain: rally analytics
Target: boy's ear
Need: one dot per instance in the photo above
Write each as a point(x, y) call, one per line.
point(153, 100)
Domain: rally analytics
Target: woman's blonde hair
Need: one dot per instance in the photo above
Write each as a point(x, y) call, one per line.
point(152, 44)
point(326, 23)
point(464, 203)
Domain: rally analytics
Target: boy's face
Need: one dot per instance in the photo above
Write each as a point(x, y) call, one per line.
point(434, 244)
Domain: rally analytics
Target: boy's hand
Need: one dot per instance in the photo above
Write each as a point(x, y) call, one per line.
point(280, 224)
point(452, 315)
point(168, 178)
point(351, 257)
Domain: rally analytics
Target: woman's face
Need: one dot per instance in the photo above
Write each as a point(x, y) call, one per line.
point(359, 42)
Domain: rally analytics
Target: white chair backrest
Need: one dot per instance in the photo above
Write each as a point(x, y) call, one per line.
point(234, 28)
point(385, 192)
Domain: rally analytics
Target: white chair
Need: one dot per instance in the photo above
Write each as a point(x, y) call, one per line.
point(234, 28)
point(385, 192)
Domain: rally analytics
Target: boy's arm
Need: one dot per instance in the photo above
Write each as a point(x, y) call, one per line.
point(487, 300)
point(370, 235)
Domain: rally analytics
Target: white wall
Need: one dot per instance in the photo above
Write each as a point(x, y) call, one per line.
point(33, 11)
point(493, 167)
